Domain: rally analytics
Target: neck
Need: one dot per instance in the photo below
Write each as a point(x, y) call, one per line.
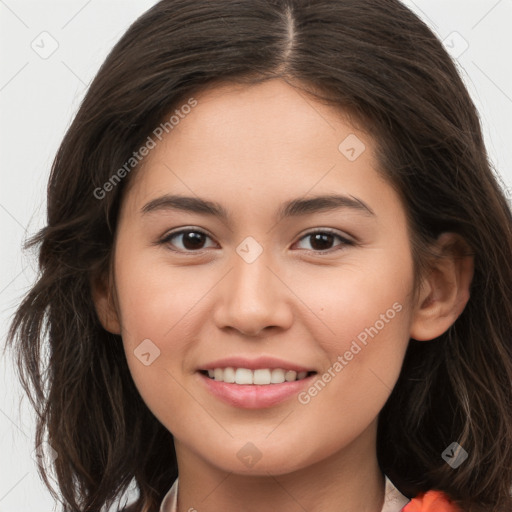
point(347, 480)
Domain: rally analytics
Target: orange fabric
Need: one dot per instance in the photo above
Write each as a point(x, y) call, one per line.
point(431, 501)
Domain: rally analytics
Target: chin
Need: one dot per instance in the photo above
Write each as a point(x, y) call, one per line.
point(260, 458)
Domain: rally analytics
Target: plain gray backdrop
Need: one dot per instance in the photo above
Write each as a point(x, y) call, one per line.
point(50, 52)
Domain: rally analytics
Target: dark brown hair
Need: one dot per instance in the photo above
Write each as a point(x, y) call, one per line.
point(372, 58)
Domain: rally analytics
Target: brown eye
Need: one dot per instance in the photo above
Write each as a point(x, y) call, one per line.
point(322, 241)
point(191, 240)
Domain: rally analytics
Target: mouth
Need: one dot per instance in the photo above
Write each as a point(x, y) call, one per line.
point(254, 383)
point(255, 377)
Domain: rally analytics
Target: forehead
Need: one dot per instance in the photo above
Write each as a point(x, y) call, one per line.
point(269, 124)
point(266, 118)
point(251, 146)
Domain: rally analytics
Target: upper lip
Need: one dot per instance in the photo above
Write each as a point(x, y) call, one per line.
point(254, 364)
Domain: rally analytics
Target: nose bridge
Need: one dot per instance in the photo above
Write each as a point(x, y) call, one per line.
point(251, 277)
point(252, 297)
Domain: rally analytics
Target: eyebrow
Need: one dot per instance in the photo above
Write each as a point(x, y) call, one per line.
point(293, 208)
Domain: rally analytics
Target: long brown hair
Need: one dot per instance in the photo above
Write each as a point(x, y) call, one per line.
point(372, 58)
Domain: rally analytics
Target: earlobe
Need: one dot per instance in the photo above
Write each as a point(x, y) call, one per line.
point(104, 302)
point(445, 290)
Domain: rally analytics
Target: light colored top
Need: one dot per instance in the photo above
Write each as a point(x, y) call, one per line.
point(394, 500)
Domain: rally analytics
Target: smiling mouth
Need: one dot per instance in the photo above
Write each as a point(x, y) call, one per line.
point(263, 376)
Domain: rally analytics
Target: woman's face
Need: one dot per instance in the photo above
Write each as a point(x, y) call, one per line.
point(257, 289)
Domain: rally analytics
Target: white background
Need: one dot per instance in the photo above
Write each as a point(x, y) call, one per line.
point(38, 98)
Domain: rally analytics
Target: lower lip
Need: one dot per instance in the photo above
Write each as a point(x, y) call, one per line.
point(254, 396)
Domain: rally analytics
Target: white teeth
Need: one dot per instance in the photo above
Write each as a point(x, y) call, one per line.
point(229, 375)
point(277, 376)
point(242, 376)
point(260, 377)
point(290, 375)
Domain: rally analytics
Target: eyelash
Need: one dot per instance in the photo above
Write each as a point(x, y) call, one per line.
point(344, 241)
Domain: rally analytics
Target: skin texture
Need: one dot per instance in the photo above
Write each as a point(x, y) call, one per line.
point(252, 149)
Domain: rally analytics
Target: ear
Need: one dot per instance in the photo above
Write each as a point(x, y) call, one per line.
point(103, 295)
point(444, 292)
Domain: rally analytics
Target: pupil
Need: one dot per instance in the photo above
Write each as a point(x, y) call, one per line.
point(192, 240)
point(324, 239)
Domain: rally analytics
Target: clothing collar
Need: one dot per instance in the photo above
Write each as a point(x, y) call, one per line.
point(394, 500)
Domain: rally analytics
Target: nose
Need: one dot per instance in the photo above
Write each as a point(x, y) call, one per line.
point(253, 297)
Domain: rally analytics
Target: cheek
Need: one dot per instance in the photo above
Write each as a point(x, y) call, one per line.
point(156, 300)
point(370, 289)
point(365, 314)
point(158, 307)
point(363, 364)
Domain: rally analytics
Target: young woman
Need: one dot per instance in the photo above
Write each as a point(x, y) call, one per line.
point(277, 263)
